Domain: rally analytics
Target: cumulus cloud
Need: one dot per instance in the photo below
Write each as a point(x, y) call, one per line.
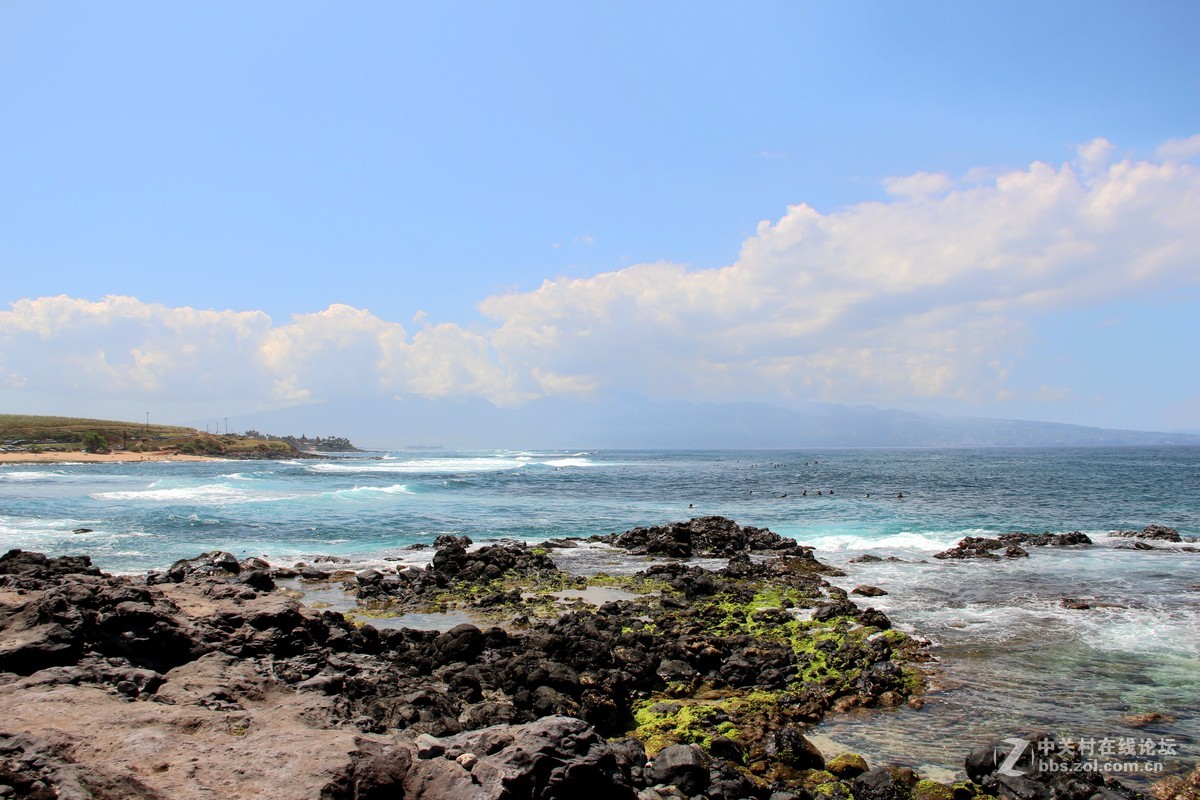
point(1180, 149)
point(927, 295)
point(121, 346)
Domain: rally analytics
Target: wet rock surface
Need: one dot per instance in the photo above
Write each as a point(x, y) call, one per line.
point(701, 536)
point(1158, 533)
point(1042, 771)
point(1011, 545)
point(196, 683)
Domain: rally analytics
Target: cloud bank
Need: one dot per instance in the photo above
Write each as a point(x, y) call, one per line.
point(929, 294)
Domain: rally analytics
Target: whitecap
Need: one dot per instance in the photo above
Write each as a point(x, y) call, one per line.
point(437, 466)
point(214, 493)
point(367, 491)
point(31, 475)
point(570, 462)
point(931, 541)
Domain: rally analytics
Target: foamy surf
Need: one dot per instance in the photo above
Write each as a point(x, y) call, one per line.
point(30, 475)
point(367, 492)
point(928, 542)
point(428, 466)
point(206, 494)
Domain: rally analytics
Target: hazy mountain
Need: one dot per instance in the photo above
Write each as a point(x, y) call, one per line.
point(633, 423)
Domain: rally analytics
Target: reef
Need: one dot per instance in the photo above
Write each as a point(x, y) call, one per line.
point(207, 679)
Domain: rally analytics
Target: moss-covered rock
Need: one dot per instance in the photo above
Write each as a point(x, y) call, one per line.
point(926, 789)
point(847, 765)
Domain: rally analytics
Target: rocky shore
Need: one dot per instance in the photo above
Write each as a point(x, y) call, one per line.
point(208, 680)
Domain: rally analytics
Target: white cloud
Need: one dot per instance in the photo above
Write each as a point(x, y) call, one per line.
point(1175, 150)
point(923, 296)
point(922, 184)
point(927, 295)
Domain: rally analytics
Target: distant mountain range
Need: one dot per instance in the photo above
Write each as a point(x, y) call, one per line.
point(636, 423)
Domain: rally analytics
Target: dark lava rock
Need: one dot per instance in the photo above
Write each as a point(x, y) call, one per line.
point(884, 783)
point(488, 563)
point(981, 547)
point(868, 591)
point(38, 770)
point(461, 643)
point(1046, 539)
point(554, 757)
point(1040, 777)
point(791, 748)
point(681, 765)
point(1160, 533)
point(258, 579)
point(865, 558)
point(214, 564)
point(20, 564)
point(847, 765)
point(717, 537)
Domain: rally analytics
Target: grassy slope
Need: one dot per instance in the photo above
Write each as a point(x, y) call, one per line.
point(67, 432)
point(29, 426)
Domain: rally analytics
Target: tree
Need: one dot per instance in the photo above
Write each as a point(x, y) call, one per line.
point(94, 442)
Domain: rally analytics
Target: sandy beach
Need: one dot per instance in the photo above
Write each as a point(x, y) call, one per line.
point(78, 457)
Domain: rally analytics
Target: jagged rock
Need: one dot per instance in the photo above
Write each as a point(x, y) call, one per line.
point(1160, 533)
point(793, 749)
point(214, 564)
point(37, 770)
point(1046, 539)
point(981, 547)
point(554, 757)
point(22, 567)
point(681, 765)
point(885, 783)
point(1030, 778)
point(868, 591)
point(202, 686)
point(718, 537)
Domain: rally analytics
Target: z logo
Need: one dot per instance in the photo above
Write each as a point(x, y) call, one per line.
point(1018, 750)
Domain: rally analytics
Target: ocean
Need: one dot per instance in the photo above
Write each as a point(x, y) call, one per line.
point(1010, 658)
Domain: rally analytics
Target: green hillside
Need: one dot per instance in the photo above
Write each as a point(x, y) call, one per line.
point(32, 433)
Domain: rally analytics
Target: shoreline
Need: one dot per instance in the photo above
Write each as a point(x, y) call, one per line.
point(98, 458)
point(693, 682)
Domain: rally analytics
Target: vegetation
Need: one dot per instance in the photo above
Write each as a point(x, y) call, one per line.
point(63, 430)
point(322, 444)
point(94, 442)
point(36, 434)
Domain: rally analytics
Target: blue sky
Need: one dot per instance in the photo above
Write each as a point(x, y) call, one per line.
point(721, 197)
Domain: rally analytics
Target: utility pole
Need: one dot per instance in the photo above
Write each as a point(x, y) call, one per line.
point(227, 426)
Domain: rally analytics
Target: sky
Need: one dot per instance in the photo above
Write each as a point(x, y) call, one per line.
point(976, 209)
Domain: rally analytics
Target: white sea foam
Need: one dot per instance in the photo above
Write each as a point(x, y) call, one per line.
point(31, 475)
point(14, 522)
point(435, 466)
point(930, 541)
point(569, 462)
point(212, 493)
point(367, 491)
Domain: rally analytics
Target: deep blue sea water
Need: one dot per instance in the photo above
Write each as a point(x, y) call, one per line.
point(1011, 658)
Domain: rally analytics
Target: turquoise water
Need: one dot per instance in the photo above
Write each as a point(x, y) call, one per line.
point(1011, 658)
